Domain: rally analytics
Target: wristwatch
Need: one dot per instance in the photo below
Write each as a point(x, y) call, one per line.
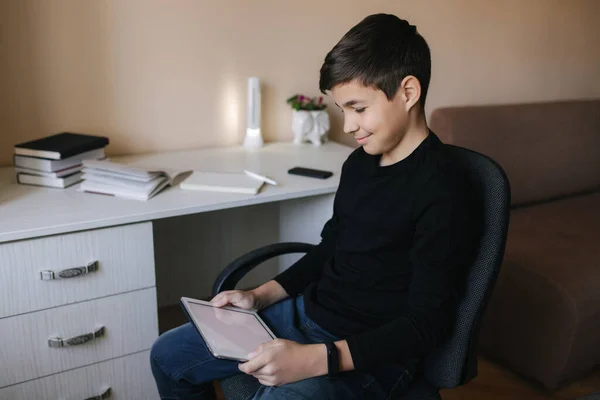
point(333, 359)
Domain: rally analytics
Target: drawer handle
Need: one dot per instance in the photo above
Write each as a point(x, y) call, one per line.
point(48, 275)
point(104, 395)
point(76, 340)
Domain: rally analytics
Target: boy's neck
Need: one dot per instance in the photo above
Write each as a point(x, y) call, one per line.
point(414, 136)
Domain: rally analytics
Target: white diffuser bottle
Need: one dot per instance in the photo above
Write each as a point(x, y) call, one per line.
point(253, 137)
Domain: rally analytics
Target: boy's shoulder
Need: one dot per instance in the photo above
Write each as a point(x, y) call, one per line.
point(442, 173)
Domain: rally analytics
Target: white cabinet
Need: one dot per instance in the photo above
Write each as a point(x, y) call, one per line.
point(125, 323)
point(68, 337)
point(122, 256)
point(124, 378)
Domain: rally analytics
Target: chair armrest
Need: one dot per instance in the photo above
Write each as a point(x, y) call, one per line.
point(239, 267)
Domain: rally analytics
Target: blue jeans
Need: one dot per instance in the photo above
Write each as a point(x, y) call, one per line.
point(184, 368)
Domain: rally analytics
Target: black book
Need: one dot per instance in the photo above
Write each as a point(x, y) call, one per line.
point(61, 145)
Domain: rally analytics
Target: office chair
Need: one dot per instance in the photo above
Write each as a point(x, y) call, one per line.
point(455, 362)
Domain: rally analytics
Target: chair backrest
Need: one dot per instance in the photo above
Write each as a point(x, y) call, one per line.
point(455, 362)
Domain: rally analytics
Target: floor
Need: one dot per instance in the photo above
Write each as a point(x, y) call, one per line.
point(492, 383)
point(496, 383)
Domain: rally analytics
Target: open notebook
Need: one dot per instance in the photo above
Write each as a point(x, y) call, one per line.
point(222, 182)
point(121, 180)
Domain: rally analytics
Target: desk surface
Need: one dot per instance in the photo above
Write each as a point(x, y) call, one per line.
point(29, 211)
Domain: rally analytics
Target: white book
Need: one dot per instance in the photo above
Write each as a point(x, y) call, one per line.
point(94, 172)
point(221, 182)
point(57, 174)
point(132, 184)
point(122, 180)
point(119, 191)
point(45, 165)
point(143, 173)
point(61, 183)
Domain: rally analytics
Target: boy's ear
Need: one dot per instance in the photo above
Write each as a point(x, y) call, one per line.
point(411, 91)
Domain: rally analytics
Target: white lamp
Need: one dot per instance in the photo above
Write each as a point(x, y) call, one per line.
point(253, 137)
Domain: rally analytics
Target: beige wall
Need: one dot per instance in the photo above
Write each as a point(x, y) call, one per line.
point(162, 75)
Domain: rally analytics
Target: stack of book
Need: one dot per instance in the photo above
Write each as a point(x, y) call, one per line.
point(127, 181)
point(57, 160)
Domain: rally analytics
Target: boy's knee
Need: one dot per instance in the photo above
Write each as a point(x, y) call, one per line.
point(155, 365)
point(156, 351)
point(166, 344)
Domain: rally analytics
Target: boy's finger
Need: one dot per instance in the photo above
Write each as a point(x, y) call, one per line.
point(268, 379)
point(235, 297)
point(265, 382)
point(217, 300)
point(253, 365)
point(222, 298)
point(261, 373)
point(217, 297)
point(266, 345)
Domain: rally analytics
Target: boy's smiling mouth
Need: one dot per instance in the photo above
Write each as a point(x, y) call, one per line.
point(362, 139)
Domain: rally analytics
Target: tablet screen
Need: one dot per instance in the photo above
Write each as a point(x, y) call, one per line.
point(229, 333)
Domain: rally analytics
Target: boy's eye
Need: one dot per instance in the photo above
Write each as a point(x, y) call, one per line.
point(360, 110)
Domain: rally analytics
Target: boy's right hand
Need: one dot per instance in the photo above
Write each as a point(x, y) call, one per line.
point(238, 298)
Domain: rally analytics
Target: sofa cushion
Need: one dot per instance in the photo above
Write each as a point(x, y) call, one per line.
point(547, 149)
point(543, 319)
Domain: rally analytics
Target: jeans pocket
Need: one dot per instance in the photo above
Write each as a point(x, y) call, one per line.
point(401, 385)
point(392, 380)
point(366, 384)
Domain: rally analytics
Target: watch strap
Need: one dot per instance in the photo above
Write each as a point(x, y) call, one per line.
point(333, 359)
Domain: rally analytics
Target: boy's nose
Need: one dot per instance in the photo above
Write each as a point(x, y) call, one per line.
point(350, 125)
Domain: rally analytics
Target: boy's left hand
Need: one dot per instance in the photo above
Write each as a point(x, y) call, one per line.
point(281, 361)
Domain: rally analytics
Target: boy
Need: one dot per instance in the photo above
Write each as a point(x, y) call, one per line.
point(358, 312)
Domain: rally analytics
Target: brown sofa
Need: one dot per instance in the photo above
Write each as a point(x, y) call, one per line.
point(543, 320)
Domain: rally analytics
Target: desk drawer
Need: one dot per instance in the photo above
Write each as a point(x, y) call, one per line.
point(129, 378)
point(125, 261)
point(130, 325)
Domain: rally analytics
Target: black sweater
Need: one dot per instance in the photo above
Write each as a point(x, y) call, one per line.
point(389, 270)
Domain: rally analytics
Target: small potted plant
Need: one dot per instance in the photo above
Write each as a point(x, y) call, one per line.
point(310, 121)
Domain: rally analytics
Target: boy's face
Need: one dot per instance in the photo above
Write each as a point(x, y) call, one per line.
point(377, 124)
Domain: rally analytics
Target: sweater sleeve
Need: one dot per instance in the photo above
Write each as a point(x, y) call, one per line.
point(308, 269)
point(442, 248)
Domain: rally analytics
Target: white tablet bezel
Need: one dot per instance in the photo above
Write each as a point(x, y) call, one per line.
point(184, 302)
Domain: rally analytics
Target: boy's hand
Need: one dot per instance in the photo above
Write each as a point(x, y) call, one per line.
point(238, 298)
point(281, 361)
point(256, 299)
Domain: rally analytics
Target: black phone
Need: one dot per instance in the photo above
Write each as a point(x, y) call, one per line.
point(310, 172)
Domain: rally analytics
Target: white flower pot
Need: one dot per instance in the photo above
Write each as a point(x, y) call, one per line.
point(310, 126)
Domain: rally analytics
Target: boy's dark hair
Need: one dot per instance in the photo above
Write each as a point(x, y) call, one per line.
point(380, 51)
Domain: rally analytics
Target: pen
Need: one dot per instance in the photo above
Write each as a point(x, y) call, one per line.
point(261, 178)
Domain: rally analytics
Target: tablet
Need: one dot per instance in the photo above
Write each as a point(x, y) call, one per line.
point(230, 333)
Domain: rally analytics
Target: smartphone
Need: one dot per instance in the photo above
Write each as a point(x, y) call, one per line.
point(311, 173)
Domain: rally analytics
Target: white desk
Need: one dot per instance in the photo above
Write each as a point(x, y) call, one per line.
point(176, 242)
